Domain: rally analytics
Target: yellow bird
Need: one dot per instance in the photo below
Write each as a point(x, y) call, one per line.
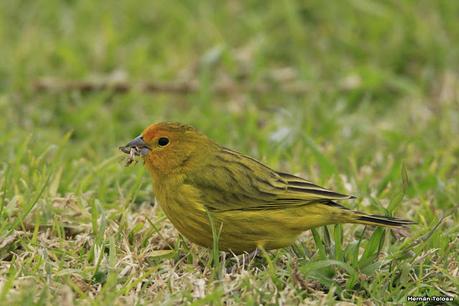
point(207, 191)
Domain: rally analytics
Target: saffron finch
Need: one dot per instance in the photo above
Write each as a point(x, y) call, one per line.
point(207, 191)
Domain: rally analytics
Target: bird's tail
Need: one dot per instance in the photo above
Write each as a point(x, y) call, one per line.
point(344, 215)
point(361, 218)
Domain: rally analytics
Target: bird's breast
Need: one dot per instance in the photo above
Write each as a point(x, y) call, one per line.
point(183, 207)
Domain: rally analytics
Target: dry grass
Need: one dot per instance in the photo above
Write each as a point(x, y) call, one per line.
point(376, 115)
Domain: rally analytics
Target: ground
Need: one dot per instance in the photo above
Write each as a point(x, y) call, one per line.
point(358, 96)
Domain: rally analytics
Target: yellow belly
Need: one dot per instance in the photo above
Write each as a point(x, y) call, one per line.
point(235, 231)
point(238, 230)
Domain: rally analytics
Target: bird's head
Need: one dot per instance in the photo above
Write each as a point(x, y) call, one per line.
point(168, 147)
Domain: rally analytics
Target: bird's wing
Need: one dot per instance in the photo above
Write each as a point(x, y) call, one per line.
point(232, 181)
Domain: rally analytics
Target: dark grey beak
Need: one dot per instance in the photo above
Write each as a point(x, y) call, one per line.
point(139, 146)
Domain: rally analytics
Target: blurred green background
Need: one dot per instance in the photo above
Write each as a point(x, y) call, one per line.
point(350, 94)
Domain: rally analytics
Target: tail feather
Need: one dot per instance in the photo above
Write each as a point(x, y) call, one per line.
point(381, 220)
point(341, 214)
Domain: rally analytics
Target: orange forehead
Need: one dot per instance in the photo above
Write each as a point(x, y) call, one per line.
point(150, 132)
point(164, 128)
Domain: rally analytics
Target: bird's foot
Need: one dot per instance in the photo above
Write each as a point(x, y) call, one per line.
point(249, 258)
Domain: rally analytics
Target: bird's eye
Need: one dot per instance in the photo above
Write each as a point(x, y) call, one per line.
point(163, 141)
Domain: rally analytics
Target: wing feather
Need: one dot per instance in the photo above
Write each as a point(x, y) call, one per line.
point(237, 182)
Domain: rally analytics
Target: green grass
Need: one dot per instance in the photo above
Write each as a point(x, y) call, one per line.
point(377, 116)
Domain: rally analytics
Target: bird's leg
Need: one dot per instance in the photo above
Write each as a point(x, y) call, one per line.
point(243, 261)
point(251, 256)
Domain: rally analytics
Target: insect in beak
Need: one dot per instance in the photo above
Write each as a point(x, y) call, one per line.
point(136, 147)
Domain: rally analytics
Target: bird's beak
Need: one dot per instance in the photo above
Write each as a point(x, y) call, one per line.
point(137, 145)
